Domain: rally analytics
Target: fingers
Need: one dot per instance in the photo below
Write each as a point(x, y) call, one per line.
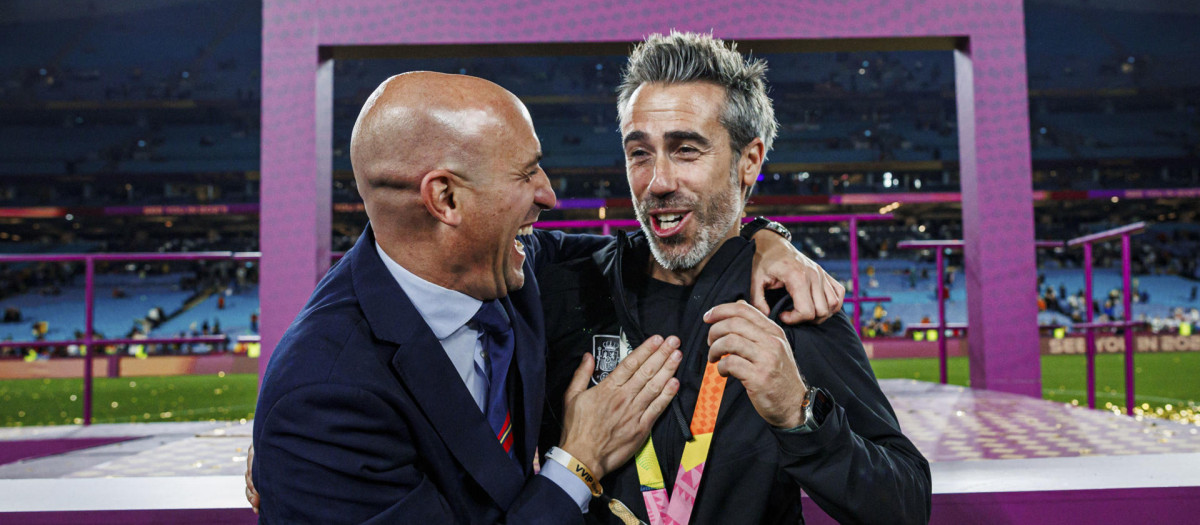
point(740, 310)
point(804, 280)
point(810, 306)
point(660, 403)
point(251, 494)
point(836, 292)
point(724, 311)
point(661, 377)
point(820, 302)
point(252, 498)
point(655, 363)
point(732, 344)
point(650, 378)
point(735, 325)
point(735, 366)
point(802, 303)
point(632, 362)
point(758, 294)
point(832, 291)
point(579, 381)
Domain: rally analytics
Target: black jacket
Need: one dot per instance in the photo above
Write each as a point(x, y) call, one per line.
point(857, 466)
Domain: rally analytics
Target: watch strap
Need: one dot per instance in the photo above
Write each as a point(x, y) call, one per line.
point(759, 223)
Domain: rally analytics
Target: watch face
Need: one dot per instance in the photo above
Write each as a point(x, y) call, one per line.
point(822, 404)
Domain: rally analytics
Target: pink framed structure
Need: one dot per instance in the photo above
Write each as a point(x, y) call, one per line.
point(987, 38)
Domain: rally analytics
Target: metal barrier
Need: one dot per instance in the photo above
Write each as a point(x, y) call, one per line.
point(1127, 324)
point(940, 247)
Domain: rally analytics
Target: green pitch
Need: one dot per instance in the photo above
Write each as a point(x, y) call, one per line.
point(1168, 384)
point(25, 402)
point(1165, 385)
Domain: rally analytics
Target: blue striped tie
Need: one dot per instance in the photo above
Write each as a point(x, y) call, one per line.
point(497, 337)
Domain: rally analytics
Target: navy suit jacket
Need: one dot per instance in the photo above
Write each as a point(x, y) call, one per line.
point(363, 418)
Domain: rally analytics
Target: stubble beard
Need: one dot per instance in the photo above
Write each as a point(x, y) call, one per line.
point(715, 218)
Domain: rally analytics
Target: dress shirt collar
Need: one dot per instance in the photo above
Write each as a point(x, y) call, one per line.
point(443, 309)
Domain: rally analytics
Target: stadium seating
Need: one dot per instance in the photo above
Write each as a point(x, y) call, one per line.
point(234, 318)
point(114, 317)
point(195, 53)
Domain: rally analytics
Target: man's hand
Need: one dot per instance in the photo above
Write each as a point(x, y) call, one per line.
point(755, 350)
point(606, 424)
point(251, 494)
point(816, 295)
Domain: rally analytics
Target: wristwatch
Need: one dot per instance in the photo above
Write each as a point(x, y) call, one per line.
point(817, 404)
point(752, 227)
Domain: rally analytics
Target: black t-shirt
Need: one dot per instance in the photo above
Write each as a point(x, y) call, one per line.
point(660, 306)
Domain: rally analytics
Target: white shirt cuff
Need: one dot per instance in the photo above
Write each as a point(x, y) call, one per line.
point(575, 487)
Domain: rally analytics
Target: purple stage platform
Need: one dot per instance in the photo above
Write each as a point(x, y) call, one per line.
point(995, 458)
point(20, 450)
point(951, 423)
point(1005, 458)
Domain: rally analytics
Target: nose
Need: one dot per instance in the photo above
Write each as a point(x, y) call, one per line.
point(543, 194)
point(663, 182)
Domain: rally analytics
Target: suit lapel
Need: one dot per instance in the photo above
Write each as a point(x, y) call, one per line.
point(427, 373)
point(442, 396)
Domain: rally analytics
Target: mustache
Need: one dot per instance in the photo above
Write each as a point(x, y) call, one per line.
point(672, 201)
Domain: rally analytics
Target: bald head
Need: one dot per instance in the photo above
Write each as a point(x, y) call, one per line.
point(448, 167)
point(420, 122)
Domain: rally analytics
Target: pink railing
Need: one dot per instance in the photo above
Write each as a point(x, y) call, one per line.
point(940, 247)
point(1127, 324)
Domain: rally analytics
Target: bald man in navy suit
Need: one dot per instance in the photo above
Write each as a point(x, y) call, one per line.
point(374, 406)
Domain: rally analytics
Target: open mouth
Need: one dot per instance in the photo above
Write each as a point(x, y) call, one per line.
point(667, 224)
point(517, 244)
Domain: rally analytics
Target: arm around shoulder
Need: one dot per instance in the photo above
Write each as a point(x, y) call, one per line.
point(552, 246)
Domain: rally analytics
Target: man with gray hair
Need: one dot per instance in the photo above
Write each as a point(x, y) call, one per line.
point(764, 409)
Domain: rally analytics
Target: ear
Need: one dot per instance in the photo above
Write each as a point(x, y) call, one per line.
point(750, 164)
point(438, 189)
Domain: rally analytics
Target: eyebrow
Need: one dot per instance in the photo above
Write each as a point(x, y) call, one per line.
point(635, 136)
point(673, 136)
point(536, 160)
point(681, 136)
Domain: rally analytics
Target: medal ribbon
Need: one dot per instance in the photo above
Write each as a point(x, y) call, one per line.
point(678, 509)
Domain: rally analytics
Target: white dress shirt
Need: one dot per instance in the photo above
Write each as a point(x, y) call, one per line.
point(448, 313)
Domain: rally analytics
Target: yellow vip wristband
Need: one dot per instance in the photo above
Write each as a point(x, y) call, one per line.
point(565, 459)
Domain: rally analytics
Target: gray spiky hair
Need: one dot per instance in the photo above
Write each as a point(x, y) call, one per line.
point(693, 57)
